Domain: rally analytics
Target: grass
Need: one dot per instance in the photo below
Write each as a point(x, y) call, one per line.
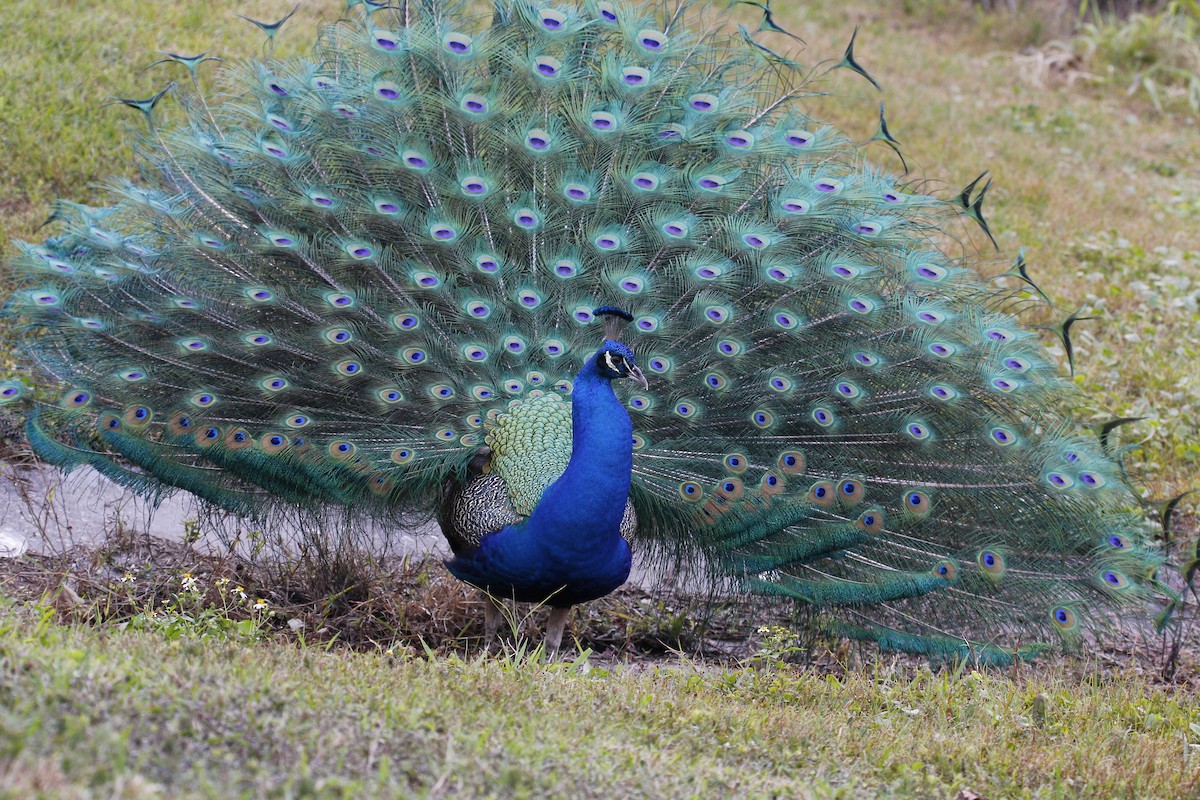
point(101, 712)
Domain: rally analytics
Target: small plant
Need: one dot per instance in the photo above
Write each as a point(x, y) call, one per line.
point(777, 646)
point(193, 613)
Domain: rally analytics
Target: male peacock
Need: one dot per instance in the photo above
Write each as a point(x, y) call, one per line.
point(373, 278)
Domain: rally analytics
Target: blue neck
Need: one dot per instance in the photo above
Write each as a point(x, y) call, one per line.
point(583, 508)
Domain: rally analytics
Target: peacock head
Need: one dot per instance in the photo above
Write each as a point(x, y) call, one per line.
point(615, 360)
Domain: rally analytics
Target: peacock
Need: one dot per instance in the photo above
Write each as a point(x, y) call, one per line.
point(581, 279)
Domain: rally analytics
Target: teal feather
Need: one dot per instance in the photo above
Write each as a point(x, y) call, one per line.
point(333, 287)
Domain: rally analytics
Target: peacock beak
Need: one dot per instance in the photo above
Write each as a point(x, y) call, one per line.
point(635, 374)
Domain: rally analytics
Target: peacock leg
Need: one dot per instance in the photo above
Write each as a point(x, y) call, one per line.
point(554, 628)
point(493, 613)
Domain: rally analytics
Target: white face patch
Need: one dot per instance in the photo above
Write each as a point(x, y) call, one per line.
point(608, 359)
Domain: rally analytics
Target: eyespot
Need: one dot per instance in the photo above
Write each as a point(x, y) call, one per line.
point(298, 421)
point(942, 349)
point(992, 564)
point(272, 442)
point(406, 322)
point(792, 462)
point(780, 383)
point(603, 121)
point(608, 11)
point(193, 345)
point(1091, 479)
point(341, 449)
point(930, 272)
point(730, 489)
point(672, 133)
point(259, 294)
point(867, 228)
point(414, 160)
point(827, 186)
point(644, 181)
point(138, 415)
point(737, 462)
point(482, 392)
point(340, 300)
point(762, 418)
point(514, 344)
point(676, 230)
point(1058, 480)
point(75, 398)
point(529, 299)
point(582, 315)
point(946, 569)
point(659, 365)
point(861, 305)
point(847, 390)
point(685, 409)
point(274, 383)
point(630, 284)
point(552, 20)
point(798, 138)
point(729, 348)
point(537, 139)
point(338, 335)
point(1005, 385)
point(208, 436)
point(771, 485)
point(1002, 436)
point(390, 396)
point(547, 67)
point(387, 207)
point(1016, 364)
point(526, 218)
point(850, 491)
point(402, 455)
point(487, 263)
point(186, 302)
point(132, 375)
point(203, 399)
point(1117, 542)
point(1064, 619)
point(703, 103)
point(1113, 580)
point(384, 40)
point(872, 520)
point(457, 43)
point(717, 315)
point(740, 140)
point(941, 391)
point(931, 317)
point(474, 104)
point(999, 335)
point(794, 205)
point(554, 348)
point(845, 271)
point(473, 186)
point(640, 402)
point(785, 320)
point(821, 494)
point(918, 431)
point(348, 367)
point(651, 40)
point(413, 355)
point(321, 200)
point(916, 502)
point(635, 77)
point(577, 192)
point(865, 359)
point(823, 417)
point(386, 90)
point(779, 274)
point(690, 491)
point(716, 381)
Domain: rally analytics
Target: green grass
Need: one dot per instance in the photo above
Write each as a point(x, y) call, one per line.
point(87, 712)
